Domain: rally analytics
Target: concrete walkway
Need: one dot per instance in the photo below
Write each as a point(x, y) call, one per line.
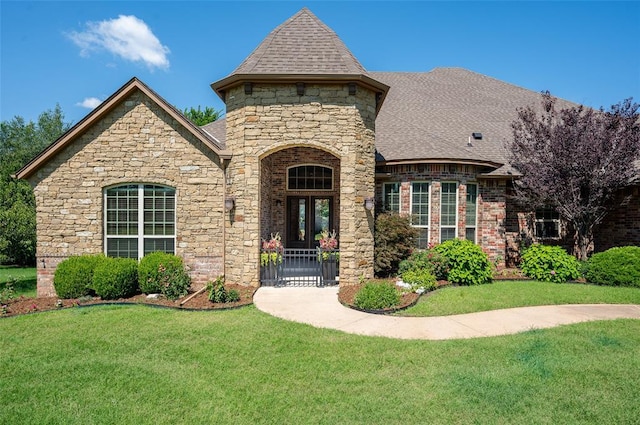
point(319, 307)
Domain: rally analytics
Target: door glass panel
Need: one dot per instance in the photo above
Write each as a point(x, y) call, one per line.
point(321, 215)
point(302, 219)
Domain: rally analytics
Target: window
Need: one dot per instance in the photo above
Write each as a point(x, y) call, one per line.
point(448, 211)
point(420, 212)
point(134, 228)
point(310, 177)
point(472, 212)
point(547, 223)
point(391, 197)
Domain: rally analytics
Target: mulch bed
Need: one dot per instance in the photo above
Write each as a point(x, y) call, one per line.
point(201, 301)
point(347, 296)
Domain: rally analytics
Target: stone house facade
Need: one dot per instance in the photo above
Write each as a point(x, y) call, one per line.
point(309, 136)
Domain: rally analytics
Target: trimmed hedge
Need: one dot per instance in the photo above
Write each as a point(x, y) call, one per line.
point(162, 273)
point(116, 278)
point(73, 277)
point(428, 259)
point(549, 264)
point(468, 264)
point(616, 267)
point(377, 296)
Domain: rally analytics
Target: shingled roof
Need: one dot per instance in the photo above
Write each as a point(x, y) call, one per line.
point(301, 45)
point(302, 49)
point(432, 115)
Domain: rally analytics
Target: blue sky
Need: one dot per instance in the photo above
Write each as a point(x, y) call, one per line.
point(78, 53)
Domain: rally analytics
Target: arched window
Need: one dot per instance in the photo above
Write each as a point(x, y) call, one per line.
point(310, 177)
point(139, 219)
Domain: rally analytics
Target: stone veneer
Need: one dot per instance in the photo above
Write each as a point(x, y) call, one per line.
point(490, 224)
point(274, 118)
point(137, 142)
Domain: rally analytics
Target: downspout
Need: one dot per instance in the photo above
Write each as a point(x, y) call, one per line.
point(225, 164)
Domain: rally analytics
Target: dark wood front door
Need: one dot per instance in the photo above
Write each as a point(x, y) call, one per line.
point(307, 216)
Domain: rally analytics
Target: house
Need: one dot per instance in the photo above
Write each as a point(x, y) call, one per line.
point(309, 141)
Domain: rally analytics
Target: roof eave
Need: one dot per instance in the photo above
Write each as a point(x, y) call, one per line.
point(221, 86)
point(409, 161)
point(103, 109)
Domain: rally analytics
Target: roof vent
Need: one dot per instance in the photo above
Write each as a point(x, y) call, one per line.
point(476, 136)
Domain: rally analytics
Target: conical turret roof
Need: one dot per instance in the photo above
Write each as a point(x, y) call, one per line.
point(301, 49)
point(301, 45)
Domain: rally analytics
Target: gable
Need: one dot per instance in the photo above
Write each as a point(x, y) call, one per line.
point(103, 110)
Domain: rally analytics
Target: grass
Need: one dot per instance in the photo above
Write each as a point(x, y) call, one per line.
point(141, 365)
point(26, 279)
point(507, 294)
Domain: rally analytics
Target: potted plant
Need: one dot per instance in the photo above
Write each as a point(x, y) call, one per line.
point(271, 257)
point(328, 255)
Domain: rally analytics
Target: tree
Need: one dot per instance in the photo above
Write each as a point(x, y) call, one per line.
point(199, 117)
point(575, 159)
point(19, 142)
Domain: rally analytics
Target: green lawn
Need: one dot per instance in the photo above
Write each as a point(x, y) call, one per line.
point(507, 294)
point(141, 365)
point(26, 279)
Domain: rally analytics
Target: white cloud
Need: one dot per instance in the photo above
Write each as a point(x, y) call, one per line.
point(127, 37)
point(89, 102)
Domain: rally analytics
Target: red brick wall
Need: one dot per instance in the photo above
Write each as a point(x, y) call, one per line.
point(622, 226)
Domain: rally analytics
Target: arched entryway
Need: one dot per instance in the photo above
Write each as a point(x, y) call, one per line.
point(300, 198)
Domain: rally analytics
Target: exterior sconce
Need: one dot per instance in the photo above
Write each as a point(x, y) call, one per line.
point(229, 204)
point(369, 203)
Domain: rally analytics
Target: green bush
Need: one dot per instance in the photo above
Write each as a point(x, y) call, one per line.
point(218, 293)
point(116, 278)
point(233, 296)
point(428, 259)
point(549, 264)
point(162, 273)
point(419, 279)
point(73, 277)
point(468, 264)
point(377, 296)
point(394, 241)
point(615, 267)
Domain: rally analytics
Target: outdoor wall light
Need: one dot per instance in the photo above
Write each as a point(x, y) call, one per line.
point(229, 204)
point(476, 136)
point(369, 203)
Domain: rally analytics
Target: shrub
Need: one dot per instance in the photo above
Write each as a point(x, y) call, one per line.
point(233, 296)
point(468, 264)
point(73, 277)
point(7, 292)
point(419, 279)
point(377, 296)
point(615, 266)
point(428, 259)
point(394, 242)
point(549, 264)
point(218, 293)
point(116, 278)
point(162, 273)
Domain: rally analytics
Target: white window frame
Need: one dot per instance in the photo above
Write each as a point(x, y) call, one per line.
point(455, 226)
point(556, 221)
point(421, 226)
point(140, 236)
point(475, 218)
point(384, 196)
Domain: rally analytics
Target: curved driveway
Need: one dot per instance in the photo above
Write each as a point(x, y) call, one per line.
point(319, 307)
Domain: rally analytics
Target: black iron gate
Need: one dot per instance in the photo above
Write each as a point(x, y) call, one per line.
point(301, 267)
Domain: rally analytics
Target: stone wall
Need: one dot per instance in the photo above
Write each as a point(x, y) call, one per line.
point(137, 142)
point(273, 117)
